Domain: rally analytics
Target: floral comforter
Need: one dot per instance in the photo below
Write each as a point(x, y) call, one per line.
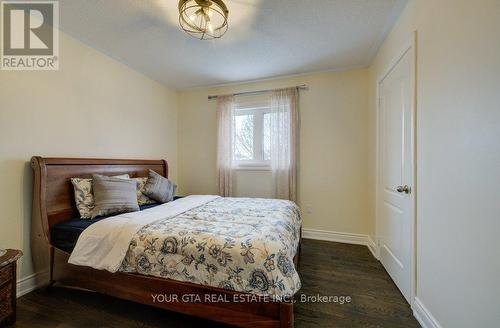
point(241, 244)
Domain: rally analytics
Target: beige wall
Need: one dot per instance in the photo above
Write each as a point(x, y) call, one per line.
point(458, 155)
point(333, 142)
point(92, 107)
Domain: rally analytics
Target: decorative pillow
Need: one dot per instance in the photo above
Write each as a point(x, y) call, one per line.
point(141, 198)
point(84, 198)
point(159, 188)
point(114, 196)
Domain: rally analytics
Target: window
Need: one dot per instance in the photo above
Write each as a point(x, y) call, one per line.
point(258, 133)
point(252, 145)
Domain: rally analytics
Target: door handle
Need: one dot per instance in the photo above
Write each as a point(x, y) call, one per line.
point(404, 189)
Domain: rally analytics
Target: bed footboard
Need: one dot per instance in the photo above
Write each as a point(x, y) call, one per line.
point(225, 306)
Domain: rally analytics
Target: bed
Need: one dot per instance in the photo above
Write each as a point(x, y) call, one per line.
point(219, 300)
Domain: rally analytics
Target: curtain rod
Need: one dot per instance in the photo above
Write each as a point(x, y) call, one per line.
point(247, 93)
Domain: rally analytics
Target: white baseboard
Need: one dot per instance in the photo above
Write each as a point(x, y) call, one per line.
point(32, 282)
point(342, 237)
point(339, 237)
point(423, 316)
point(372, 246)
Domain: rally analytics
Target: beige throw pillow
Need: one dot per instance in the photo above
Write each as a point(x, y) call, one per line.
point(114, 196)
point(142, 199)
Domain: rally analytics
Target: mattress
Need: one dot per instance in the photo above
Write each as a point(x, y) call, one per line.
point(65, 235)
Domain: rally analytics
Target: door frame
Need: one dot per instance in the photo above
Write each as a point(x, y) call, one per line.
point(410, 46)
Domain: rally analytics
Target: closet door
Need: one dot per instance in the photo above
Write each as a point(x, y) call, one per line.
point(396, 171)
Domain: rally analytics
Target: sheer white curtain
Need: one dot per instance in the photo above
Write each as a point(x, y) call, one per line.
point(283, 142)
point(225, 114)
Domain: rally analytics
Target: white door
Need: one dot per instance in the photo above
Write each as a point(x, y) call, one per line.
point(395, 217)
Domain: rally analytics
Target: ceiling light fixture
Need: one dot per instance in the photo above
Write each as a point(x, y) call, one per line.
point(203, 19)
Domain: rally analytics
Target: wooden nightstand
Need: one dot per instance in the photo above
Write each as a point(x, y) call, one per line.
point(8, 286)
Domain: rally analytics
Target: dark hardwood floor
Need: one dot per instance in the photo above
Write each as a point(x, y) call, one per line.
point(329, 269)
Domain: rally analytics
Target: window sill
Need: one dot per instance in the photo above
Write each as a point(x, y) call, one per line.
point(252, 167)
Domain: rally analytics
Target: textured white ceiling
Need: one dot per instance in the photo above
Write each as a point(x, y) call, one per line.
point(266, 38)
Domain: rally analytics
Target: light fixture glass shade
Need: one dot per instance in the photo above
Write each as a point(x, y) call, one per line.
point(203, 19)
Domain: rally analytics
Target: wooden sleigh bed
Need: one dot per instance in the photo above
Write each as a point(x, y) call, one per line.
point(53, 203)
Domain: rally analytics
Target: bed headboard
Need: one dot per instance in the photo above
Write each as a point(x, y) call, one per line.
point(53, 195)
